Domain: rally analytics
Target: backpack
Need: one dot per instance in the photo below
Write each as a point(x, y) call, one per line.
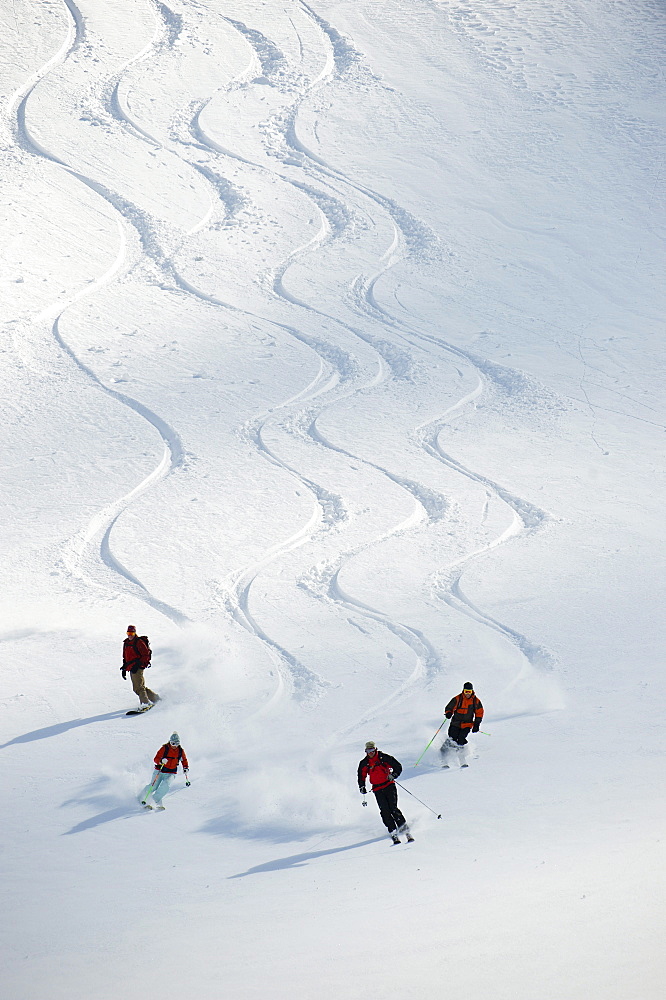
point(144, 638)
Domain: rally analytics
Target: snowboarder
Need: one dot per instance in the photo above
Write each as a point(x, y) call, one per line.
point(382, 769)
point(167, 759)
point(465, 712)
point(136, 658)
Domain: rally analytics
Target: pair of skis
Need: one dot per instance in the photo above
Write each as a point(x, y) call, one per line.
point(416, 763)
point(447, 748)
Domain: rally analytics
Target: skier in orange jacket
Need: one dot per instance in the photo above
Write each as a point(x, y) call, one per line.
point(465, 712)
point(167, 759)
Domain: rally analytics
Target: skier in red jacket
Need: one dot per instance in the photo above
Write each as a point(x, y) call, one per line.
point(382, 769)
point(167, 759)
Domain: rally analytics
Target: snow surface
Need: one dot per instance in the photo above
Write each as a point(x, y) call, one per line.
point(332, 358)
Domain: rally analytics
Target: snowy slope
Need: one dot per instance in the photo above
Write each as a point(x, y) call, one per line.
point(332, 358)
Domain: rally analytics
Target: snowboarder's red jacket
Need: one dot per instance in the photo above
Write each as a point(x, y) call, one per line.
point(174, 756)
point(136, 654)
point(465, 711)
point(378, 768)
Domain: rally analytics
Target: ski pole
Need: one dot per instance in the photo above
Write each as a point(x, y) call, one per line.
point(159, 769)
point(422, 755)
point(151, 787)
point(439, 815)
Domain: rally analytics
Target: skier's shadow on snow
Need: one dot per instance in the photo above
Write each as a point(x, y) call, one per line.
point(122, 811)
point(298, 860)
point(119, 812)
point(61, 727)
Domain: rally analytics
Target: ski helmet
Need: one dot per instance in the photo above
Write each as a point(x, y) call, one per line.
point(174, 740)
point(371, 745)
point(468, 686)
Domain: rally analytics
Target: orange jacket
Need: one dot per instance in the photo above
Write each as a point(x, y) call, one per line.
point(174, 756)
point(465, 711)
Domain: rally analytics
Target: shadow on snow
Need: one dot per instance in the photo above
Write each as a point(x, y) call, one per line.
point(299, 860)
point(119, 812)
point(61, 727)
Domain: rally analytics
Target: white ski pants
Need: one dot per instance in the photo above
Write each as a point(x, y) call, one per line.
point(159, 789)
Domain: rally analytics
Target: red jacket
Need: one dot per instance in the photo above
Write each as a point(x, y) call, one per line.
point(174, 756)
point(378, 767)
point(136, 654)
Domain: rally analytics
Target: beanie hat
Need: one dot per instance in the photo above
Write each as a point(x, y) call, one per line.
point(371, 745)
point(174, 740)
point(131, 628)
point(468, 685)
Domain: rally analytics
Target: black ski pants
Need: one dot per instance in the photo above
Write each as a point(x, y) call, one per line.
point(457, 734)
point(387, 800)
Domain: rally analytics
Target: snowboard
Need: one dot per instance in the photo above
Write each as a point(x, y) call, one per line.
point(140, 711)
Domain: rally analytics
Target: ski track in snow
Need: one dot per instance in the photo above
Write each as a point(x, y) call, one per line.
point(236, 589)
point(296, 678)
point(427, 661)
point(334, 196)
point(101, 524)
point(526, 516)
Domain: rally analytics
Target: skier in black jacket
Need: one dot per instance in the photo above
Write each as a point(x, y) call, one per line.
point(382, 769)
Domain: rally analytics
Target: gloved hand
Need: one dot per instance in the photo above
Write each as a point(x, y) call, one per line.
point(362, 790)
point(448, 714)
point(165, 760)
point(475, 727)
point(124, 673)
